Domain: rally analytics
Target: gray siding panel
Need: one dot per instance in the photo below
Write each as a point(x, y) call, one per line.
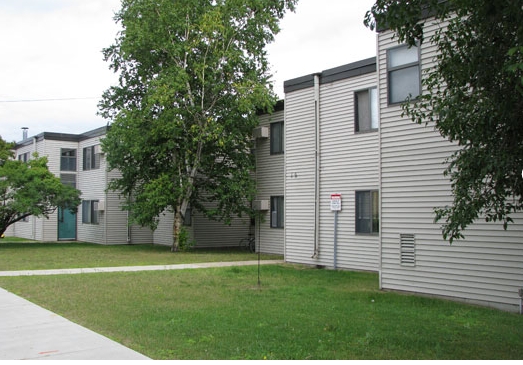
point(92, 184)
point(485, 267)
point(349, 162)
point(299, 176)
point(270, 174)
point(163, 235)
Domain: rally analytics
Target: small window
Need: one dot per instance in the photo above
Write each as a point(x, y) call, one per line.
point(68, 179)
point(187, 218)
point(91, 158)
point(276, 138)
point(367, 212)
point(24, 157)
point(403, 73)
point(68, 159)
point(90, 211)
point(366, 110)
point(277, 212)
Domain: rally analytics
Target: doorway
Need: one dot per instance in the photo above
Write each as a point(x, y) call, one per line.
point(66, 225)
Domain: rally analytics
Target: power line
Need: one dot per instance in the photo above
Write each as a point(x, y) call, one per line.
point(43, 100)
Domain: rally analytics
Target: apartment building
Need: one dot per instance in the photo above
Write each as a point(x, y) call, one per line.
point(79, 161)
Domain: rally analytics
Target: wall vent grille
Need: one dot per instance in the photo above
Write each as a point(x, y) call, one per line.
point(407, 250)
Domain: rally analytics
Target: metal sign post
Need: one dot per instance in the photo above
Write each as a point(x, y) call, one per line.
point(335, 207)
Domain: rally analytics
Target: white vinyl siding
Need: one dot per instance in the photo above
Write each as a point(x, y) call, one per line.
point(32, 228)
point(349, 162)
point(486, 266)
point(210, 233)
point(299, 176)
point(163, 235)
point(269, 182)
point(92, 184)
point(204, 232)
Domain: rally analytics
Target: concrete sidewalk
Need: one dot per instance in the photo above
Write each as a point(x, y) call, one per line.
point(30, 332)
point(137, 268)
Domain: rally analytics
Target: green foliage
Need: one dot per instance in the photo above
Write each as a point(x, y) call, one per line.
point(192, 75)
point(6, 152)
point(30, 189)
point(473, 97)
point(185, 243)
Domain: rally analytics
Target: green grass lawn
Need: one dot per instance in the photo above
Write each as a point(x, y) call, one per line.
point(296, 313)
point(17, 255)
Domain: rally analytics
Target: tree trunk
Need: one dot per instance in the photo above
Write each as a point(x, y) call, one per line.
point(177, 226)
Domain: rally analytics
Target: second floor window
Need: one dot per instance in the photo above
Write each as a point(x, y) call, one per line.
point(403, 73)
point(91, 158)
point(366, 110)
point(276, 138)
point(68, 159)
point(24, 157)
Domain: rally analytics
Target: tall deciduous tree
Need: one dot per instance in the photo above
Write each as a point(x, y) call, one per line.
point(474, 98)
point(193, 73)
point(29, 188)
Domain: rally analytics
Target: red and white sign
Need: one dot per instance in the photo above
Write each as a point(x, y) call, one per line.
point(335, 202)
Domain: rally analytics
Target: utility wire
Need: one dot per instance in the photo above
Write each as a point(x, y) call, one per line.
point(43, 100)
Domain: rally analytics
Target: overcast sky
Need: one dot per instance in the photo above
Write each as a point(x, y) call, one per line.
point(51, 49)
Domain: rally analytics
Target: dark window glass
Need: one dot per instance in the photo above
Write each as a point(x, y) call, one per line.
point(277, 206)
point(367, 211)
point(276, 138)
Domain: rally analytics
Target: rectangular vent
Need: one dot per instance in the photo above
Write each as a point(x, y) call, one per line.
point(407, 250)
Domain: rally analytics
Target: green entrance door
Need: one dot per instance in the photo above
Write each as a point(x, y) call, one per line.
point(66, 224)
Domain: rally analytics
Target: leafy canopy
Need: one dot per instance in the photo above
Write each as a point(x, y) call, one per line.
point(474, 97)
point(193, 73)
point(29, 188)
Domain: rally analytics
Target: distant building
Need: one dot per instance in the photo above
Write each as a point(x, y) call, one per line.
point(79, 161)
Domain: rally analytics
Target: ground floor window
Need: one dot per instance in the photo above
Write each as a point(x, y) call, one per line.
point(90, 211)
point(276, 211)
point(367, 212)
point(187, 218)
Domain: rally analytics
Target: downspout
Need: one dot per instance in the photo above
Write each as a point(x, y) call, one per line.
point(106, 216)
point(33, 217)
point(128, 228)
point(380, 237)
point(317, 167)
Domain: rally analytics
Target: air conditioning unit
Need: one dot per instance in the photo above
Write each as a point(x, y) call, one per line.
point(101, 205)
point(260, 205)
point(261, 132)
